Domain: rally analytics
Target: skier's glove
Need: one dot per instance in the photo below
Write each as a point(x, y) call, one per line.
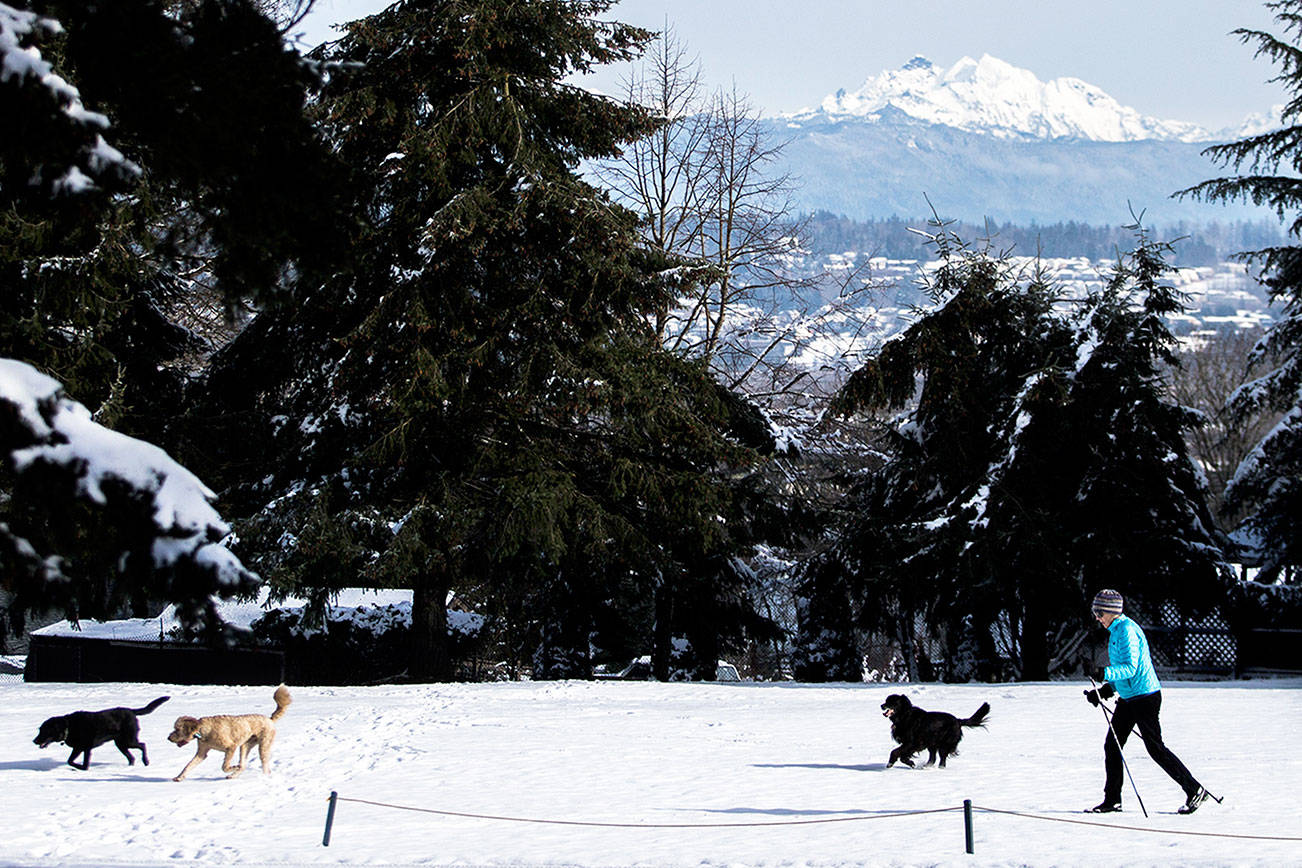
point(1098, 673)
point(1104, 692)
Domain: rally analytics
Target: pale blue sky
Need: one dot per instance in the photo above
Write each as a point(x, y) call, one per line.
point(1173, 59)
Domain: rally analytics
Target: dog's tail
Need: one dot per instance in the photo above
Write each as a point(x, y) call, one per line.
point(282, 702)
point(978, 719)
point(151, 706)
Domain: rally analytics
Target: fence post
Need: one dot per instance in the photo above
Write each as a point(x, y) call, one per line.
point(330, 818)
point(967, 826)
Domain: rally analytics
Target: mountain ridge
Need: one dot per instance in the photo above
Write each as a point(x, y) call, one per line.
point(995, 97)
point(984, 139)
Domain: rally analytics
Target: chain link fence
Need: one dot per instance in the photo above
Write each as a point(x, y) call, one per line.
point(11, 668)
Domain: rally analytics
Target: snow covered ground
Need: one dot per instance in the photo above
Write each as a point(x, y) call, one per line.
point(735, 775)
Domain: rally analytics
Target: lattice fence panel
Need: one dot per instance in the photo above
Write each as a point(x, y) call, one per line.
point(1183, 644)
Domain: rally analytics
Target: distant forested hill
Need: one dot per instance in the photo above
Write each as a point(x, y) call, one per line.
point(1203, 244)
point(894, 165)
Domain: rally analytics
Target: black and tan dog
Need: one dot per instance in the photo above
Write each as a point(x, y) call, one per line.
point(84, 730)
point(915, 729)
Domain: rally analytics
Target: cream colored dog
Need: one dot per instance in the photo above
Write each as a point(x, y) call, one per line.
point(230, 733)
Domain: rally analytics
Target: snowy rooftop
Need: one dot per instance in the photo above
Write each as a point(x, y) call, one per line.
point(236, 613)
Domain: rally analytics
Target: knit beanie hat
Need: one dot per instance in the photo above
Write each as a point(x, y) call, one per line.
point(1107, 600)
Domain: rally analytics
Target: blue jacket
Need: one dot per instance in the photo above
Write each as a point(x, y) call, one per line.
point(1130, 668)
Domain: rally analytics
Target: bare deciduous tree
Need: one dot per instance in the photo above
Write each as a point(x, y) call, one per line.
point(707, 191)
point(745, 229)
point(1211, 368)
point(658, 176)
point(751, 303)
point(286, 13)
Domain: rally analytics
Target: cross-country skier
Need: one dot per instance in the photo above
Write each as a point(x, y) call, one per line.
point(1130, 676)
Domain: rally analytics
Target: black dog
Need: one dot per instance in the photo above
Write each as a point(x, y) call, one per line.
point(936, 732)
point(83, 730)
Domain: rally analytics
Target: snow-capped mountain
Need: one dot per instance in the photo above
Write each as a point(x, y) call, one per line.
point(986, 139)
point(992, 96)
point(1255, 124)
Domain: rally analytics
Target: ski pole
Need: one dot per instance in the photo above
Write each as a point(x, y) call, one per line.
point(1120, 753)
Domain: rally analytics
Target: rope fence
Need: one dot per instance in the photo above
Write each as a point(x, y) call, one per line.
point(967, 808)
point(600, 825)
point(1135, 828)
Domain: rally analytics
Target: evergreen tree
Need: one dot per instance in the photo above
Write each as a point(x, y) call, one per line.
point(1141, 499)
point(95, 521)
point(143, 140)
point(479, 402)
point(213, 174)
point(69, 260)
point(206, 96)
point(1035, 456)
point(1267, 487)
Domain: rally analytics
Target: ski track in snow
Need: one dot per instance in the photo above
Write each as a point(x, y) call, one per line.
point(646, 753)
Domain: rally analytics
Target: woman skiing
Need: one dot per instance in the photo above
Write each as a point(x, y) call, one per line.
point(1131, 677)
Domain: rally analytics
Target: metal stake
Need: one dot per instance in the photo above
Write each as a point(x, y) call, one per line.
point(330, 818)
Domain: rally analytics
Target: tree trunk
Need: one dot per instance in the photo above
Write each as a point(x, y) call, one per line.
point(1035, 645)
point(907, 630)
point(430, 660)
point(662, 634)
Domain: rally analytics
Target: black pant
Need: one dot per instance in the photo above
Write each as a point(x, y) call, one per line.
point(1141, 711)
